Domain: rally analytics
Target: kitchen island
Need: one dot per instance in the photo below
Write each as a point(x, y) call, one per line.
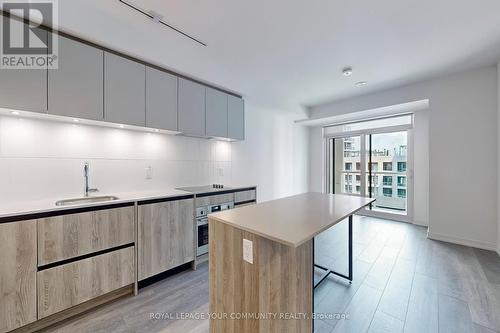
point(262, 261)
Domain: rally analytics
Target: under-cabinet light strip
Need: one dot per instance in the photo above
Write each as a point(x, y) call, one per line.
point(155, 18)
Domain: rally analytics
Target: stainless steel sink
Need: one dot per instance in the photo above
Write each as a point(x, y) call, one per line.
point(85, 200)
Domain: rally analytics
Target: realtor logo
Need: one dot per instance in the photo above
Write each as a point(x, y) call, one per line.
point(27, 38)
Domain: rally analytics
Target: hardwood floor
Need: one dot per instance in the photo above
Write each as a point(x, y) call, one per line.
point(403, 282)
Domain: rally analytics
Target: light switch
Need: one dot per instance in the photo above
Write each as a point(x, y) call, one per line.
point(248, 251)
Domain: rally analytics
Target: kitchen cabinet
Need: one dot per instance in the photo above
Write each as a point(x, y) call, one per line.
point(17, 274)
point(191, 108)
point(24, 89)
point(76, 86)
point(165, 236)
point(161, 100)
point(214, 199)
point(124, 90)
point(64, 286)
point(216, 107)
point(236, 118)
point(72, 235)
point(244, 196)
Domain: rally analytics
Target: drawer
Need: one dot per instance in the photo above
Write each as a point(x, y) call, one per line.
point(214, 199)
point(65, 286)
point(244, 196)
point(68, 236)
point(245, 204)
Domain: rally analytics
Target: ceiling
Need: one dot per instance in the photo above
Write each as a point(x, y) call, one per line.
point(287, 54)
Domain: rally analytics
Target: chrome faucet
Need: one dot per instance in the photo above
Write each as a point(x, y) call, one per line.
point(86, 171)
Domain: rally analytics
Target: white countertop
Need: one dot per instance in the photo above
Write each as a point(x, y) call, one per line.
point(293, 220)
point(48, 205)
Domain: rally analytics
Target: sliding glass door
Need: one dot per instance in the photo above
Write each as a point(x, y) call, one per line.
point(345, 174)
point(373, 163)
point(386, 169)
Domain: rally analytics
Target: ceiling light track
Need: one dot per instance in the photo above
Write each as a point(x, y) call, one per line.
point(158, 19)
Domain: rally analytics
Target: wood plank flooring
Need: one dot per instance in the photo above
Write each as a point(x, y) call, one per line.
point(403, 282)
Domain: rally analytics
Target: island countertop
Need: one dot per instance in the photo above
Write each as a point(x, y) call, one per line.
point(293, 220)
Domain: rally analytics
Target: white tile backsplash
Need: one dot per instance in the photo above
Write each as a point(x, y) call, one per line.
point(40, 159)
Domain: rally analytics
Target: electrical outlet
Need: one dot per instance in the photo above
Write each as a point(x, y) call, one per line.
point(248, 251)
point(149, 172)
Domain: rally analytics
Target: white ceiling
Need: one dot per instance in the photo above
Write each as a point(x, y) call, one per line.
point(285, 54)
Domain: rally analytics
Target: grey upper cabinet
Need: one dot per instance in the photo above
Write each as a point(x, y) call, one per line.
point(124, 90)
point(76, 87)
point(24, 89)
point(236, 118)
point(216, 108)
point(161, 100)
point(191, 108)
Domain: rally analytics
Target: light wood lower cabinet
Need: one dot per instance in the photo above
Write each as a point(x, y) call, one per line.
point(244, 196)
point(73, 235)
point(64, 286)
point(214, 199)
point(17, 274)
point(165, 236)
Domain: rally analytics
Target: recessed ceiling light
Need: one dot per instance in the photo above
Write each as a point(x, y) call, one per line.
point(122, 126)
point(157, 130)
point(347, 71)
point(15, 113)
point(361, 83)
point(76, 120)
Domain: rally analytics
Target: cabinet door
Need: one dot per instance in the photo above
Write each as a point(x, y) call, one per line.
point(24, 89)
point(166, 236)
point(62, 287)
point(236, 118)
point(68, 236)
point(76, 86)
point(161, 100)
point(216, 113)
point(124, 91)
point(191, 108)
point(244, 196)
point(17, 274)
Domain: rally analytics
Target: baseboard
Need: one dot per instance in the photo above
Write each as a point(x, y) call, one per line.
point(462, 241)
point(421, 223)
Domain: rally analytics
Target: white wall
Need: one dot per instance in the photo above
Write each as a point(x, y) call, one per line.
point(462, 150)
point(275, 154)
point(421, 168)
point(498, 136)
point(44, 159)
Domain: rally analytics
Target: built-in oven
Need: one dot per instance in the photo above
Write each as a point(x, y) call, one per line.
point(202, 222)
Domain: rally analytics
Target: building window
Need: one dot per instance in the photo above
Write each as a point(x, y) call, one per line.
point(374, 166)
point(348, 188)
point(387, 192)
point(387, 180)
point(348, 166)
point(387, 166)
point(401, 166)
point(358, 189)
point(401, 181)
point(402, 193)
point(358, 166)
point(358, 178)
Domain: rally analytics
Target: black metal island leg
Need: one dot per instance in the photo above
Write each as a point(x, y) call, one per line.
point(329, 271)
